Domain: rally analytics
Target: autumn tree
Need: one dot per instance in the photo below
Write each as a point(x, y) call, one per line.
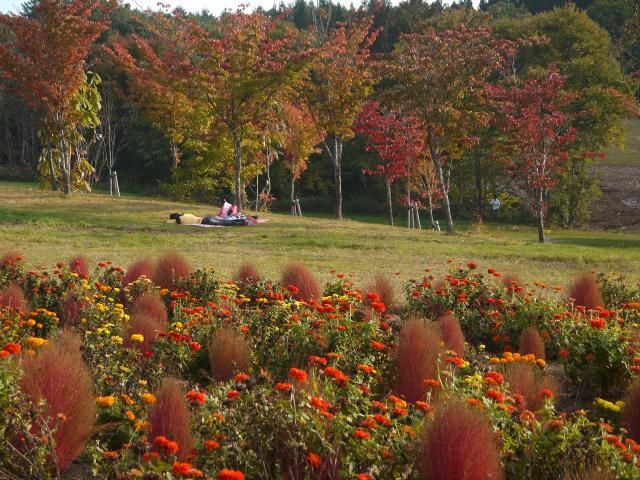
point(43, 62)
point(396, 139)
point(299, 140)
point(438, 77)
point(539, 133)
point(336, 87)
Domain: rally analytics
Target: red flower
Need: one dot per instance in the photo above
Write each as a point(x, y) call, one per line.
point(4, 354)
point(233, 394)
point(12, 348)
point(358, 433)
point(546, 393)
point(365, 368)
point(564, 353)
point(377, 345)
point(597, 323)
point(184, 469)
point(381, 419)
point(299, 375)
point(241, 377)
point(495, 395)
point(283, 387)
point(196, 397)
point(493, 378)
point(317, 360)
point(457, 361)
point(194, 347)
point(211, 445)
point(165, 444)
point(293, 289)
point(314, 459)
point(226, 474)
point(363, 476)
point(472, 265)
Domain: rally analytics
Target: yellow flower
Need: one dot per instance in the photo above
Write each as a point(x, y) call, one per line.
point(126, 399)
point(116, 290)
point(106, 402)
point(137, 337)
point(117, 340)
point(148, 398)
point(120, 306)
point(36, 341)
point(31, 322)
point(494, 360)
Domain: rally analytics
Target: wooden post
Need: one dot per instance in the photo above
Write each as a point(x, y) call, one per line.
point(115, 181)
point(417, 213)
point(298, 207)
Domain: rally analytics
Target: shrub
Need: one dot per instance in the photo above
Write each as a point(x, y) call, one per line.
point(513, 284)
point(247, 273)
point(171, 268)
point(531, 342)
point(59, 376)
point(228, 353)
point(303, 279)
point(80, 265)
point(631, 416)
point(383, 287)
point(416, 358)
point(170, 417)
point(524, 381)
point(147, 326)
point(151, 305)
point(452, 335)
point(142, 267)
point(72, 308)
point(585, 291)
point(13, 297)
point(459, 443)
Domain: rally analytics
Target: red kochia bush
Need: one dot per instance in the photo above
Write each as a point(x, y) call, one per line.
point(13, 297)
point(522, 380)
point(513, 283)
point(247, 273)
point(171, 268)
point(58, 375)
point(452, 335)
point(631, 416)
point(151, 304)
point(142, 267)
point(170, 417)
point(459, 444)
point(416, 358)
point(585, 292)
point(147, 326)
point(300, 276)
point(531, 342)
point(383, 287)
point(228, 353)
point(79, 265)
point(73, 307)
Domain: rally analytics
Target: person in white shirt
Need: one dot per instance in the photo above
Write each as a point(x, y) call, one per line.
point(495, 206)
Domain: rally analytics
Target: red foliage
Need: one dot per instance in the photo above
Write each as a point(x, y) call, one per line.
point(585, 291)
point(247, 273)
point(170, 417)
point(151, 305)
point(58, 375)
point(459, 443)
point(416, 358)
point(631, 416)
point(383, 287)
point(171, 268)
point(13, 297)
point(142, 267)
point(300, 276)
point(523, 380)
point(147, 326)
point(228, 353)
point(531, 342)
point(452, 335)
point(72, 308)
point(80, 265)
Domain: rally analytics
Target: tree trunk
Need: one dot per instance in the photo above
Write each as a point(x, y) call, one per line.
point(445, 193)
point(54, 182)
point(389, 200)
point(175, 155)
point(238, 167)
point(433, 222)
point(337, 173)
point(541, 216)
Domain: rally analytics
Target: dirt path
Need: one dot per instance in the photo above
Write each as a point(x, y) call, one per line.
point(619, 206)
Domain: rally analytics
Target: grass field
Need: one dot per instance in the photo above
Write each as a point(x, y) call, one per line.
point(45, 227)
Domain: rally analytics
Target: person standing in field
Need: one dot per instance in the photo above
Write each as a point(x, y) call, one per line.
point(495, 207)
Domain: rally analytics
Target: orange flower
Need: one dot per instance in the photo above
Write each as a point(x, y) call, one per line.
point(211, 445)
point(358, 433)
point(314, 459)
point(283, 387)
point(423, 406)
point(363, 476)
point(196, 397)
point(597, 323)
point(365, 368)
point(227, 474)
point(495, 395)
point(299, 375)
point(165, 444)
point(233, 394)
point(377, 345)
point(381, 419)
point(241, 377)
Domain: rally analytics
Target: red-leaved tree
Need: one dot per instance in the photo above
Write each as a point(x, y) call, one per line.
point(539, 133)
point(398, 141)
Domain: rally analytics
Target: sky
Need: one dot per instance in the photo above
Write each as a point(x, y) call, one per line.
point(214, 6)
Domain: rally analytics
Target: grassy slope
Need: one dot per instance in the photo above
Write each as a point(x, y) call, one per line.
point(630, 153)
point(46, 227)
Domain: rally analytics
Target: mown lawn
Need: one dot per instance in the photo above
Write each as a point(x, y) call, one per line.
point(45, 227)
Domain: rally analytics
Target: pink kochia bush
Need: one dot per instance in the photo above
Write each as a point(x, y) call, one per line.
point(79, 265)
point(299, 276)
point(383, 287)
point(528, 387)
point(531, 342)
point(13, 297)
point(452, 335)
point(171, 268)
point(416, 358)
point(142, 267)
point(228, 353)
point(147, 326)
point(585, 292)
point(170, 418)
point(73, 307)
point(152, 305)
point(58, 375)
point(631, 416)
point(459, 443)
point(247, 273)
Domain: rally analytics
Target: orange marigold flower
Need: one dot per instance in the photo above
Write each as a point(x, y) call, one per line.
point(493, 378)
point(423, 406)
point(283, 387)
point(381, 419)
point(211, 445)
point(298, 374)
point(365, 368)
point(377, 345)
point(314, 459)
point(495, 395)
point(319, 403)
point(196, 397)
point(432, 382)
point(227, 474)
point(317, 360)
point(358, 433)
point(457, 361)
